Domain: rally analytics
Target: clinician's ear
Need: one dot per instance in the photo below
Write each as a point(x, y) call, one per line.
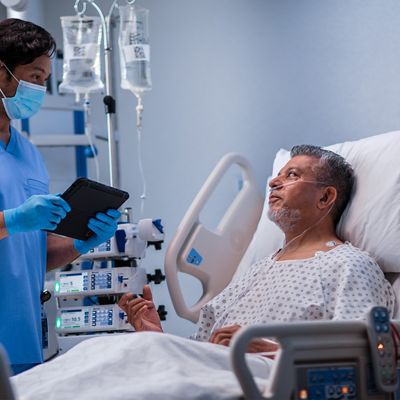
point(3, 70)
point(329, 196)
point(5, 76)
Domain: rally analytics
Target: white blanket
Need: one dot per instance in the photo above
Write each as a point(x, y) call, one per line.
point(138, 366)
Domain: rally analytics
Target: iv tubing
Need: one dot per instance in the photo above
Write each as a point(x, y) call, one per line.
point(139, 111)
point(88, 133)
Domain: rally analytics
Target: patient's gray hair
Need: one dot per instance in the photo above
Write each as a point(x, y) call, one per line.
point(334, 170)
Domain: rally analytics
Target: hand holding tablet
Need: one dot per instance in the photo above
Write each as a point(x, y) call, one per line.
point(87, 198)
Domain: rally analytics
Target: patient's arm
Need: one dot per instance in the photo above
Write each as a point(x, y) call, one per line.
point(224, 336)
point(141, 312)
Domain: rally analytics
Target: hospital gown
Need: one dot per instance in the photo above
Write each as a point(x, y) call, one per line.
point(342, 283)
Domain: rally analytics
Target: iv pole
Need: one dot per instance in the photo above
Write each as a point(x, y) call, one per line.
point(109, 100)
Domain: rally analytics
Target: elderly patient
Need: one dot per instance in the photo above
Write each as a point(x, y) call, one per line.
point(314, 276)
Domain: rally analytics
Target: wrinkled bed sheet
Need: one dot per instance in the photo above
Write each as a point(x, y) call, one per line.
point(142, 365)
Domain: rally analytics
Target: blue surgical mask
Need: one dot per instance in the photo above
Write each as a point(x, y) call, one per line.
point(27, 100)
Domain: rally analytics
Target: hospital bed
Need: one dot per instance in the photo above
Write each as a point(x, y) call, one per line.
point(6, 391)
point(371, 222)
point(334, 353)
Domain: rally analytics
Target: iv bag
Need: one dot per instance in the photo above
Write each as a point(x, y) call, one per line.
point(134, 49)
point(82, 38)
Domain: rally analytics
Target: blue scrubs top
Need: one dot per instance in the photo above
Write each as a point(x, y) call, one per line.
point(22, 255)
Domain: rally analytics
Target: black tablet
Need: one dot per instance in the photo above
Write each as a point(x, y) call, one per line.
point(86, 199)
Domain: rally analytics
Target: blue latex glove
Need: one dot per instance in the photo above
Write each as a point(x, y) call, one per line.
point(38, 212)
point(103, 226)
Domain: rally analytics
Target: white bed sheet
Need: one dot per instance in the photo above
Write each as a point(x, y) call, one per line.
point(139, 366)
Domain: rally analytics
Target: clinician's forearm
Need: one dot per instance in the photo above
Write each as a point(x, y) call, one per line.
point(60, 251)
point(3, 229)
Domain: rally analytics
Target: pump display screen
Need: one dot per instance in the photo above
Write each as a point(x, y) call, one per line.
point(73, 318)
point(70, 283)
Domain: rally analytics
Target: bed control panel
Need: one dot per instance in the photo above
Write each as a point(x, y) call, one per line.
point(326, 382)
point(100, 318)
point(100, 282)
point(382, 348)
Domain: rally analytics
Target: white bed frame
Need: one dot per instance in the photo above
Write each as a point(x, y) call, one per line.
point(213, 256)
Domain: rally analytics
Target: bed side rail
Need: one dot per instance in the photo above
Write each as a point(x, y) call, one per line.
point(213, 256)
point(313, 345)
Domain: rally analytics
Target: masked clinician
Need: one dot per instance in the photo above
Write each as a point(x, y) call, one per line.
point(26, 208)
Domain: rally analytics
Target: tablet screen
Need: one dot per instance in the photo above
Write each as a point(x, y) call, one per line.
point(86, 198)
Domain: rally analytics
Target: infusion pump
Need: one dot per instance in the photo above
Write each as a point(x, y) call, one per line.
point(71, 287)
point(91, 319)
point(100, 282)
point(85, 299)
point(130, 241)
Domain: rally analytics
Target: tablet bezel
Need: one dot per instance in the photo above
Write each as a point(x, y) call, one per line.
point(74, 225)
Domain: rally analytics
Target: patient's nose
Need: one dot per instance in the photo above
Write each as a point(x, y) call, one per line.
point(274, 183)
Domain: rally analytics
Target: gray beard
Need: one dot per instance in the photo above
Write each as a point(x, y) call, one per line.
point(286, 219)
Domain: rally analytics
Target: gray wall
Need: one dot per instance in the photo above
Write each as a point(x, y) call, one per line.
point(248, 76)
point(336, 66)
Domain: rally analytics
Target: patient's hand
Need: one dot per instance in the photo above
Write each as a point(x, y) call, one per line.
point(141, 312)
point(224, 336)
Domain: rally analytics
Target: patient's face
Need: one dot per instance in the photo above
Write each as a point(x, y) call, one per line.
point(294, 198)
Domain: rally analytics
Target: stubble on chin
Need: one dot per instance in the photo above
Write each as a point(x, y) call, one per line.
point(285, 218)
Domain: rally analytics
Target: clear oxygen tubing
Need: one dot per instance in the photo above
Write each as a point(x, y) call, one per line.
point(280, 252)
point(88, 132)
point(139, 112)
point(276, 256)
point(277, 187)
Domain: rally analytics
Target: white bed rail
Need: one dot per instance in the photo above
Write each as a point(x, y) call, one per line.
point(213, 256)
point(303, 343)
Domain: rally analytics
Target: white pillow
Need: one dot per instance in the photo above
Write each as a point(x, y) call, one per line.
point(372, 219)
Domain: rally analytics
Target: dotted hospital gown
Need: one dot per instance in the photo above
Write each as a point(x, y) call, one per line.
point(342, 283)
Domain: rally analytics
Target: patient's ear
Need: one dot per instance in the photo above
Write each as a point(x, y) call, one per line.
point(329, 195)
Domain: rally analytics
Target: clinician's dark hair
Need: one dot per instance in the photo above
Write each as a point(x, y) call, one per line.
point(21, 42)
point(333, 170)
